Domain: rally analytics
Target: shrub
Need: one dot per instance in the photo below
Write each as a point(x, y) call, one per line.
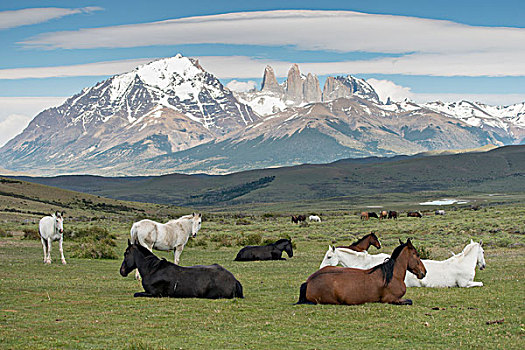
point(424, 253)
point(250, 239)
point(4, 233)
point(222, 240)
point(31, 233)
point(95, 242)
point(243, 221)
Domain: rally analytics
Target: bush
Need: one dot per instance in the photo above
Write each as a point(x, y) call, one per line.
point(223, 240)
point(250, 239)
point(424, 253)
point(95, 242)
point(243, 221)
point(4, 233)
point(31, 233)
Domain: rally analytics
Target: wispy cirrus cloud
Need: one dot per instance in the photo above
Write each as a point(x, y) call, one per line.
point(24, 17)
point(105, 68)
point(423, 46)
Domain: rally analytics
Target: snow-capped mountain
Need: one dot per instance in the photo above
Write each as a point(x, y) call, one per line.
point(172, 116)
point(509, 120)
point(167, 105)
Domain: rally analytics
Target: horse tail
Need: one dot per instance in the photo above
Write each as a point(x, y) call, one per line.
point(238, 290)
point(302, 295)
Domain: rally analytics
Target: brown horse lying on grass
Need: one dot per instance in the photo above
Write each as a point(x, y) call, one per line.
point(364, 243)
point(383, 283)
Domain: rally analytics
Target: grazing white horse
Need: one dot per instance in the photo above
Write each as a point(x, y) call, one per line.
point(457, 271)
point(350, 258)
point(51, 228)
point(172, 235)
point(314, 218)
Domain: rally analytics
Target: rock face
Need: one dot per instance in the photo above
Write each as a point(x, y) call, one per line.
point(269, 82)
point(344, 87)
point(311, 90)
point(294, 85)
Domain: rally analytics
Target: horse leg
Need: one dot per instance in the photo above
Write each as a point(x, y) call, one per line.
point(48, 251)
point(176, 253)
point(402, 302)
point(474, 284)
point(44, 246)
point(61, 250)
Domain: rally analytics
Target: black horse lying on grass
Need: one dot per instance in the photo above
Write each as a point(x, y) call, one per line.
point(271, 251)
point(161, 278)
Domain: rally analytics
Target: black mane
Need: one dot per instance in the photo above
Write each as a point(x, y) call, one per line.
point(152, 260)
point(282, 240)
point(363, 238)
point(387, 268)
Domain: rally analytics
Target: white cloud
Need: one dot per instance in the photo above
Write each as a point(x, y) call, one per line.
point(241, 86)
point(387, 88)
point(89, 69)
point(17, 18)
point(425, 46)
point(17, 112)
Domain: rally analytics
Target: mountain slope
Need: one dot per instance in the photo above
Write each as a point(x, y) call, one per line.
point(164, 106)
point(498, 170)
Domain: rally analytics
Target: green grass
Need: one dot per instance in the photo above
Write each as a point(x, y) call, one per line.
point(87, 304)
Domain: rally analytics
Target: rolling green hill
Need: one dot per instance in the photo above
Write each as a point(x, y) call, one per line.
point(501, 170)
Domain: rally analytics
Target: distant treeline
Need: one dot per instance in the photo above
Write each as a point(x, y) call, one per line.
point(229, 193)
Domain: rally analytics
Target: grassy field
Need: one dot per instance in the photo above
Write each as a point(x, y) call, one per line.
point(87, 304)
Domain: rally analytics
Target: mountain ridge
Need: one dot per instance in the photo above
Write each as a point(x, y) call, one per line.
point(171, 115)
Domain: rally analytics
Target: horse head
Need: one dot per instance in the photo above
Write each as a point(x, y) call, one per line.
point(288, 249)
point(196, 225)
point(330, 258)
point(128, 264)
point(415, 265)
point(375, 241)
point(59, 222)
point(481, 256)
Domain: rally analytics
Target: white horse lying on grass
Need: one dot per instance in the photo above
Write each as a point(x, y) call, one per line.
point(457, 271)
point(350, 258)
point(172, 235)
point(51, 228)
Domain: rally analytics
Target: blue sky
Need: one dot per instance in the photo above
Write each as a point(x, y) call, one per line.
point(423, 50)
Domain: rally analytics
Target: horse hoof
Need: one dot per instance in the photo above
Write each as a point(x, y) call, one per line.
point(64, 262)
point(408, 302)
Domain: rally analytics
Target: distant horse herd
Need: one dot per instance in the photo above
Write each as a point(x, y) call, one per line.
point(362, 278)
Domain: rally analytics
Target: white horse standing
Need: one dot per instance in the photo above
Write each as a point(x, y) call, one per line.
point(51, 228)
point(350, 258)
point(172, 235)
point(314, 218)
point(457, 271)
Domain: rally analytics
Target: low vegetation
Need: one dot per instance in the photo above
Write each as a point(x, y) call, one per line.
point(86, 304)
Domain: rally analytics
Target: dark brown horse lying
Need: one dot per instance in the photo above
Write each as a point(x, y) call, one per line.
point(414, 214)
point(392, 214)
point(364, 243)
point(383, 283)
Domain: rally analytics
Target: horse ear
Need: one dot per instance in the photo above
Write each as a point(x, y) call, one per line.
point(332, 248)
point(409, 243)
point(129, 243)
point(400, 241)
point(471, 241)
point(480, 242)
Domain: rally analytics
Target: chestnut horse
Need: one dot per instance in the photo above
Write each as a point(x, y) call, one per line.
point(383, 283)
point(364, 243)
point(364, 215)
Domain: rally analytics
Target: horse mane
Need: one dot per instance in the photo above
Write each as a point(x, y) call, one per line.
point(363, 238)
point(282, 240)
point(152, 260)
point(387, 268)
